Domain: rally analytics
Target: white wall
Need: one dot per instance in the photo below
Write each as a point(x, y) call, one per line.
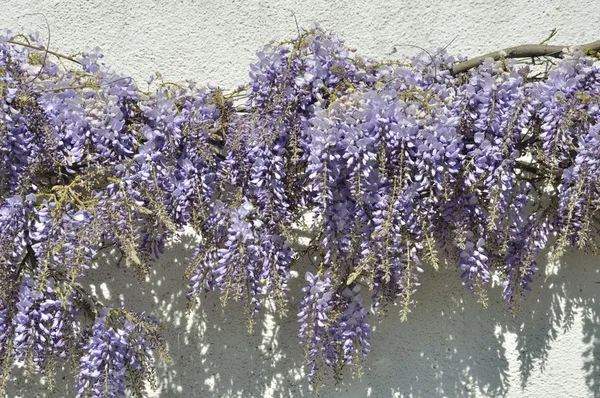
point(449, 346)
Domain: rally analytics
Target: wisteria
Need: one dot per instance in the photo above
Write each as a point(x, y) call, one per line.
point(111, 353)
point(398, 164)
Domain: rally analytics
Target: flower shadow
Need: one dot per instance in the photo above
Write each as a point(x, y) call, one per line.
point(450, 346)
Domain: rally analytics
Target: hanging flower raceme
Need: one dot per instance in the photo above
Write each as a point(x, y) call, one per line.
point(44, 325)
point(118, 354)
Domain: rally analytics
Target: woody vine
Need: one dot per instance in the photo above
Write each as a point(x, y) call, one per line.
point(484, 160)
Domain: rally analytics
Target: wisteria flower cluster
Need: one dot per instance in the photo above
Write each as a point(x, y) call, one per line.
point(395, 161)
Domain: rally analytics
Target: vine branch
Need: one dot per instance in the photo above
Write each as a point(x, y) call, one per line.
point(58, 55)
point(522, 51)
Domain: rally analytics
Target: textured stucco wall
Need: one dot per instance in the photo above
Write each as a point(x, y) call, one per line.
point(449, 346)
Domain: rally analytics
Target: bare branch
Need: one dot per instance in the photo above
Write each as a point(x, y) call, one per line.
point(522, 51)
point(17, 43)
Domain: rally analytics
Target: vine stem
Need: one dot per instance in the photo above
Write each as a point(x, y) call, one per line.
point(59, 55)
point(522, 51)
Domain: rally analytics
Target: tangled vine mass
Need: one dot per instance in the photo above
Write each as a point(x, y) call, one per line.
point(393, 161)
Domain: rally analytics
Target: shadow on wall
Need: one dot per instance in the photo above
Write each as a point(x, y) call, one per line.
point(450, 346)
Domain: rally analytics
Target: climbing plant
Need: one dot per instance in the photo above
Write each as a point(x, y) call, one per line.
point(484, 161)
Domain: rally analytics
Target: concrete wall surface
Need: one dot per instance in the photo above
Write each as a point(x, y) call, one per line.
point(450, 346)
